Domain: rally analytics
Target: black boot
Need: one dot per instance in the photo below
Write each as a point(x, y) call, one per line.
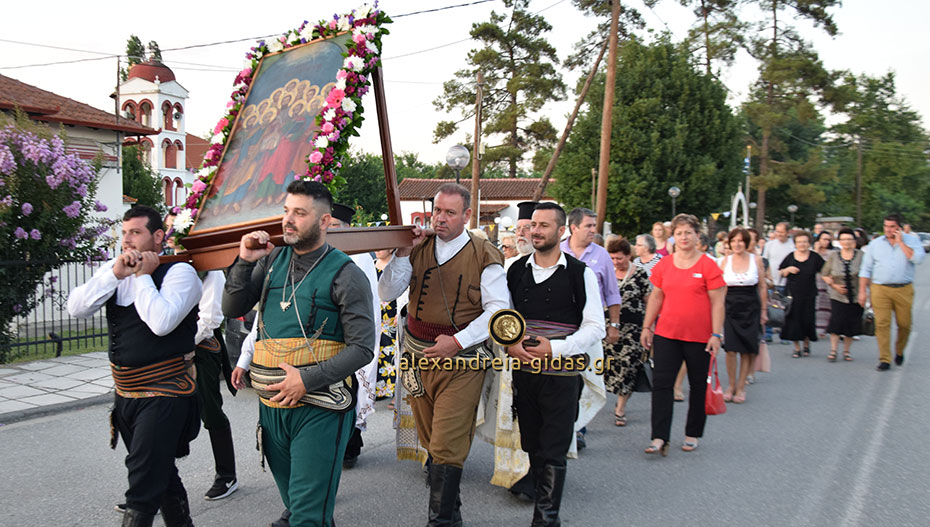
point(284, 520)
point(444, 496)
point(550, 479)
point(524, 487)
point(176, 511)
point(353, 449)
point(137, 518)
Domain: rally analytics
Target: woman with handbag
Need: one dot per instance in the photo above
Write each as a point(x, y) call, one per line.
point(625, 358)
point(742, 326)
point(840, 272)
point(688, 300)
point(800, 269)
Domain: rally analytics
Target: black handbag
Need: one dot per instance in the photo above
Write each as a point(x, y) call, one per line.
point(643, 381)
point(868, 322)
point(778, 308)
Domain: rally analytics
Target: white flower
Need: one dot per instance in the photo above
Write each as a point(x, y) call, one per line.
point(329, 115)
point(370, 44)
point(362, 11)
point(204, 172)
point(218, 138)
point(307, 33)
point(322, 141)
point(183, 221)
point(366, 29)
point(247, 63)
point(341, 84)
point(275, 46)
point(353, 63)
point(348, 105)
point(343, 24)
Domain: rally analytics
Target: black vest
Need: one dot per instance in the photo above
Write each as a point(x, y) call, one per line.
point(560, 298)
point(133, 344)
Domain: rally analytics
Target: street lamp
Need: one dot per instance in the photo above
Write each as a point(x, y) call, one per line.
point(674, 192)
point(792, 209)
point(457, 157)
point(506, 222)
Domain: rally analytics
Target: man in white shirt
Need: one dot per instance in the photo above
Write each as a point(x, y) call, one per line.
point(775, 251)
point(559, 297)
point(151, 311)
point(456, 283)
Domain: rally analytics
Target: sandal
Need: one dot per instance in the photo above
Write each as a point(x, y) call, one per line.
point(807, 352)
point(847, 356)
point(679, 397)
point(619, 419)
point(832, 356)
point(727, 396)
point(689, 446)
point(739, 398)
point(796, 354)
point(653, 449)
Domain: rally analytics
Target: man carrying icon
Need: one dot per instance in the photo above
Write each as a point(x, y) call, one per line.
point(456, 283)
point(151, 311)
point(559, 298)
point(314, 330)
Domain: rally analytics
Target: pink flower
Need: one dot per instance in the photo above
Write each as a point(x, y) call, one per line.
point(341, 74)
point(334, 99)
point(327, 127)
point(316, 156)
point(358, 38)
point(198, 186)
point(332, 24)
point(220, 125)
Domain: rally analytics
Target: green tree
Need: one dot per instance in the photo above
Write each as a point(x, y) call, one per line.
point(718, 33)
point(364, 189)
point(894, 148)
point(792, 82)
point(671, 126)
point(135, 53)
point(140, 181)
point(154, 51)
point(520, 77)
point(587, 48)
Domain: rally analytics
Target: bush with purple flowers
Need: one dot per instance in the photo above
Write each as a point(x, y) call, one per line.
point(47, 213)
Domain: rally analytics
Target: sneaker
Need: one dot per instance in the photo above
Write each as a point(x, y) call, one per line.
point(221, 488)
point(579, 439)
point(750, 379)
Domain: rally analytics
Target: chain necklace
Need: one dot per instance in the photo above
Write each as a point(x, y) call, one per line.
point(285, 304)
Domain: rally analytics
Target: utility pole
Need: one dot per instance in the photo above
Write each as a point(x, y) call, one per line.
point(606, 116)
point(476, 154)
point(859, 181)
point(593, 188)
point(541, 187)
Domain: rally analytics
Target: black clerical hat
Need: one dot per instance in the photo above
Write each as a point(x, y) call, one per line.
point(343, 212)
point(526, 210)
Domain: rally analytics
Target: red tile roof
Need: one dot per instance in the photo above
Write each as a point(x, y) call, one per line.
point(44, 105)
point(491, 189)
point(196, 148)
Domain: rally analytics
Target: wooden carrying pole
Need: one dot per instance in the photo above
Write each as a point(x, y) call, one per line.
point(475, 155)
point(606, 116)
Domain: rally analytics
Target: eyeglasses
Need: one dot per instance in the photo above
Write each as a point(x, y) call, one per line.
point(506, 246)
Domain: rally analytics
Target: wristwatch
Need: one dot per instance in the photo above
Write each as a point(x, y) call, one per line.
point(615, 325)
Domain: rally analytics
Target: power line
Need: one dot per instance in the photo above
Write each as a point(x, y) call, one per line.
point(442, 8)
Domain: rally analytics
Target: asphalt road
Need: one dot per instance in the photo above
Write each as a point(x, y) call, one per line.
point(816, 444)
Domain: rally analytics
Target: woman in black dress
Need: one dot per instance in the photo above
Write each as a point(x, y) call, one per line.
point(801, 268)
point(841, 274)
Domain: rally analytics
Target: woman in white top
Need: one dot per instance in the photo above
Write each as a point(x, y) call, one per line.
point(742, 326)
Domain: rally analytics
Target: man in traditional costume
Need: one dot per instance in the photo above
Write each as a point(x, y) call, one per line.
point(151, 312)
point(314, 331)
point(559, 298)
point(456, 283)
point(524, 244)
point(368, 375)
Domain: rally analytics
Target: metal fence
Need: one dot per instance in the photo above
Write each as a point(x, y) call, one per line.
point(49, 329)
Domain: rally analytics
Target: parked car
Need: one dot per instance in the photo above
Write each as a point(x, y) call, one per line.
point(925, 240)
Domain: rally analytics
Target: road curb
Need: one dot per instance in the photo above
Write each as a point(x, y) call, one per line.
point(42, 411)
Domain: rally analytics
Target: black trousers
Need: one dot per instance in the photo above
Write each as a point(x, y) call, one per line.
point(547, 407)
point(209, 370)
point(667, 357)
point(155, 430)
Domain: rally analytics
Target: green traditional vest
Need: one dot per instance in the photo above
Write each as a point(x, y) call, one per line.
point(314, 299)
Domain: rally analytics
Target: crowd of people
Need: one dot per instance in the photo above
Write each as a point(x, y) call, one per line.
point(415, 325)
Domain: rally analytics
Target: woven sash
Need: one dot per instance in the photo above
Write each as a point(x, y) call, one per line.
point(170, 378)
point(471, 357)
point(269, 353)
point(569, 365)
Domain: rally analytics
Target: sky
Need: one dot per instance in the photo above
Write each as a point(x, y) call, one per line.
point(422, 51)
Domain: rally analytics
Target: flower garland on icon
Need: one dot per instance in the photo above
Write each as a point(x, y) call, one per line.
point(340, 119)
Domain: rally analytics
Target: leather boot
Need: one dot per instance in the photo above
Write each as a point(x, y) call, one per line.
point(284, 520)
point(550, 480)
point(444, 496)
point(176, 511)
point(137, 518)
point(224, 454)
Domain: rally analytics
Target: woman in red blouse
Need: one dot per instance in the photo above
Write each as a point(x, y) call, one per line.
point(688, 299)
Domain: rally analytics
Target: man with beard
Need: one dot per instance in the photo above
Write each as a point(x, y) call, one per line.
point(456, 283)
point(313, 331)
point(151, 311)
point(558, 296)
point(522, 230)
